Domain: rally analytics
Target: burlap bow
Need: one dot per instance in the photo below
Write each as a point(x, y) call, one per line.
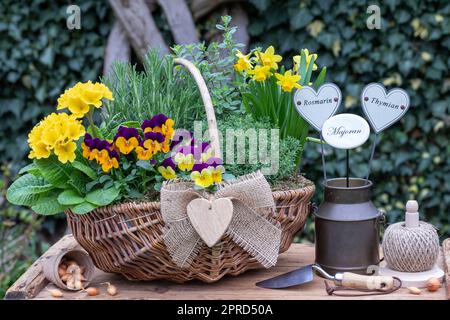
point(249, 227)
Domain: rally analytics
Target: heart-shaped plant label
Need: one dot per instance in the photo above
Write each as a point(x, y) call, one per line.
point(383, 109)
point(317, 107)
point(210, 218)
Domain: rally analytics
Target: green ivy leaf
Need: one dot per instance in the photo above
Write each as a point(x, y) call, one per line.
point(54, 171)
point(70, 197)
point(102, 197)
point(26, 189)
point(83, 208)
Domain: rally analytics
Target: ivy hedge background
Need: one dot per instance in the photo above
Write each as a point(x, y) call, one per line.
point(39, 57)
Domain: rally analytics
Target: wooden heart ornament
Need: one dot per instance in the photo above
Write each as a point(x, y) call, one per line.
point(317, 107)
point(210, 218)
point(383, 109)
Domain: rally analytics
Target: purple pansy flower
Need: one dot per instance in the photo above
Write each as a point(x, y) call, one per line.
point(156, 121)
point(168, 162)
point(127, 133)
point(155, 136)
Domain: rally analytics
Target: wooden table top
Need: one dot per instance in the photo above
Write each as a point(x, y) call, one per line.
point(32, 284)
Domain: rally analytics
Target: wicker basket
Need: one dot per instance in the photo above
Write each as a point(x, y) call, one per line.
point(127, 238)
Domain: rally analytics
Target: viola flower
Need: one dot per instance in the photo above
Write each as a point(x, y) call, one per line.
point(243, 63)
point(167, 169)
point(143, 153)
point(202, 178)
point(126, 139)
point(111, 161)
point(216, 173)
point(159, 123)
point(297, 60)
point(260, 73)
point(185, 162)
point(167, 173)
point(153, 141)
point(269, 58)
point(287, 82)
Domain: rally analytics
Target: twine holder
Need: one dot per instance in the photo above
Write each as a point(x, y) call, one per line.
point(411, 246)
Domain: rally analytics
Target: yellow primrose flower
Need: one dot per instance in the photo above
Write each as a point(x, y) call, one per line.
point(184, 162)
point(125, 146)
point(297, 59)
point(54, 133)
point(288, 81)
point(66, 151)
point(82, 96)
point(269, 58)
point(40, 150)
point(203, 179)
point(167, 173)
point(260, 73)
point(243, 63)
point(216, 174)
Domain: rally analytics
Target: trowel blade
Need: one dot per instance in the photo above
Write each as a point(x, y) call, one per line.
point(290, 279)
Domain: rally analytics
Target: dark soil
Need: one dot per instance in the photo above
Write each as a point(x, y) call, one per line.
point(291, 182)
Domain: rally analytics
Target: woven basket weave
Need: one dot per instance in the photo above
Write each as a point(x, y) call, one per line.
point(127, 238)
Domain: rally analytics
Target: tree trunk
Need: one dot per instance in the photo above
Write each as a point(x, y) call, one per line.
point(139, 25)
point(117, 48)
point(180, 21)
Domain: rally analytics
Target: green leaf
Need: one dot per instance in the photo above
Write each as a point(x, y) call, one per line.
point(85, 169)
point(27, 168)
point(49, 205)
point(144, 165)
point(83, 208)
point(70, 197)
point(54, 171)
point(320, 78)
point(102, 197)
point(26, 189)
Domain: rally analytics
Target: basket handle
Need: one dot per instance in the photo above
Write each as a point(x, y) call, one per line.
point(207, 102)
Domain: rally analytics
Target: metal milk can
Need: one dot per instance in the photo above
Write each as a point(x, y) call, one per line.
point(347, 227)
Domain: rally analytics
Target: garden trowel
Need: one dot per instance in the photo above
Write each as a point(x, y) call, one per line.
point(345, 279)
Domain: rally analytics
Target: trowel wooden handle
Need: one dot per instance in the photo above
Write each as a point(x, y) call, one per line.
point(357, 281)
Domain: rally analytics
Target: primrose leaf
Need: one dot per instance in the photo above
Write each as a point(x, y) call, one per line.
point(102, 197)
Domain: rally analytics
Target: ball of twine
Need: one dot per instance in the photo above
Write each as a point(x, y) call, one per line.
point(410, 249)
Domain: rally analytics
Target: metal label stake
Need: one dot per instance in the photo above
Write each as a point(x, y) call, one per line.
point(371, 156)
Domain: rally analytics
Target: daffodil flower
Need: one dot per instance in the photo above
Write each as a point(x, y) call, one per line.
point(243, 63)
point(269, 58)
point(260, 73)
point(297, 59)
point(287, 82)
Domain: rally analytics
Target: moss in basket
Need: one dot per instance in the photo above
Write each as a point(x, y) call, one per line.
point(287, 153)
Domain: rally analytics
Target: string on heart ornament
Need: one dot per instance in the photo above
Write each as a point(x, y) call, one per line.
point(382, 109)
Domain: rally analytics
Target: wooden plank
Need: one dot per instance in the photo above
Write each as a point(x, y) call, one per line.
point(33, 280)
point(446, 262)
point(241, 287)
